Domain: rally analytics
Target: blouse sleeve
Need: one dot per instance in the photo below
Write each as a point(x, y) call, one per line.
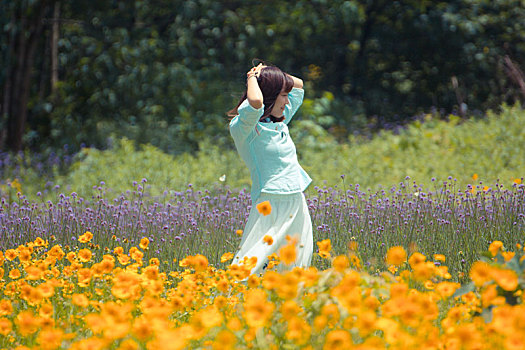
point(242, 124)
point(296, 100)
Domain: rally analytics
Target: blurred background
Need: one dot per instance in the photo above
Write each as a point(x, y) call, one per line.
point(106, 75)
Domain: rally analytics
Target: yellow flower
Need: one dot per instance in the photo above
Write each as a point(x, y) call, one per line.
point(199, 262)
point(396, 256)
point(480, 273)
point(338, 339)
point(129, 344)
point(517, 181)
point(15, 274)
point(264, 208)
point(225, 340)
point(416, 259)
point(506, 279)
point(144, 242)
point(84, 255)
point(86, 237)
point(340, 263)
point(80, 300)
point(226, 257)
point(268, 239)
point(39, 242)
point(439, 257)
point(118, 250)
point(5, 326)
point(254, 281)
point(27, 323)
point(288, 253)
point(257, 309)
point(11, 254)
point(142, 328)
point(446, 289)
point(325, 246)
point(6, 308)
point(84, 277)
point(238, 232)
point(495, 247)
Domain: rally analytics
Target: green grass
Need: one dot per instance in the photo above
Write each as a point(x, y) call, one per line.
point(491, 147)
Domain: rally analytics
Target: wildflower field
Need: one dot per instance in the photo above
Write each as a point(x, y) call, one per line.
point(409, 265)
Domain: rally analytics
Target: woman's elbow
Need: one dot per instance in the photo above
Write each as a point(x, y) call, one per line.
point(255, 103)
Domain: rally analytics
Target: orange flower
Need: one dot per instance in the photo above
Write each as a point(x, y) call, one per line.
point(238, 232)
point(144, 242)
point(446, 289)
point(440, 257)
point(480, 273)
point(475, 177)
point(257, 309)
point(517, 181)
point(288, 253)
point(6, 308)
point(15, 274)
point(11, 254)
point(268, 239)
point(80, 300)
point(416, 259)
point(226, 257)
point(264, 208)
point(324, 248)
point(5, 326)
point(84, 277)
point(338, 339)
point(84, 255)
point(495, 247)
point(199, 262)
point(340, 263)
point(506, 279)
point(27, 323)
point(396, 256)
point(224, 340)
point(86, 237)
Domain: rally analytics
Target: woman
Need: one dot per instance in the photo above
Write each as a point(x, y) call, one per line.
point(260, 131)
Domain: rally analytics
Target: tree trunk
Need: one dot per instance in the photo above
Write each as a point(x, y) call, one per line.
point(28, 32)
point(54, 47)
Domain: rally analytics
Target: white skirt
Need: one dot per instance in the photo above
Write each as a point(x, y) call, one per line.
point(289, 217)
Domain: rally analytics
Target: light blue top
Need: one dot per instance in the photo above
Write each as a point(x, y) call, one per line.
point(268, 150)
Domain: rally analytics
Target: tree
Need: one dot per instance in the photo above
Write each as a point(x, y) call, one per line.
point(24, 31)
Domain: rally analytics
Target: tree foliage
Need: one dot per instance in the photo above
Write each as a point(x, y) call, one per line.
point(165, 72)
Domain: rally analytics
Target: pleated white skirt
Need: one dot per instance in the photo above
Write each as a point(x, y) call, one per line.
point(289, 217)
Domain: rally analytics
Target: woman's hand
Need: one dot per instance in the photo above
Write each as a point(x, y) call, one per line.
point(255, 71)
point(254, 94)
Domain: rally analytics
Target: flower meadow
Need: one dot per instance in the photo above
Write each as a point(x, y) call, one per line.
point(456, 222)
point(65, 299)
point(404, 267)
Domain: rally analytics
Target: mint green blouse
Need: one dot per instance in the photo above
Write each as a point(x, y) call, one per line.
point(268, 150)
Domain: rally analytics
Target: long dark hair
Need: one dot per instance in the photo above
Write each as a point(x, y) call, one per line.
point(271, 81)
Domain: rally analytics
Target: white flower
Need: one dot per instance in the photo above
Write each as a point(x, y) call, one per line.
point(222, 178)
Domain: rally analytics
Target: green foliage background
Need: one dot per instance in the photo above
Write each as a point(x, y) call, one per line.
point(165, 72)
point(432, 148)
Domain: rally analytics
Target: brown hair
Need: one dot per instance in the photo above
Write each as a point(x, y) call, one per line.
point(271, 81)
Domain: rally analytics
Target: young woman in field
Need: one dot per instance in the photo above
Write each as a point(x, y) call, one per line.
point(260, 131)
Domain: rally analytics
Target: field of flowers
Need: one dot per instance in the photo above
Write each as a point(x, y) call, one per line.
point(456, 222)
point(144, 266)
point(56, 298)
point(402, 268)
